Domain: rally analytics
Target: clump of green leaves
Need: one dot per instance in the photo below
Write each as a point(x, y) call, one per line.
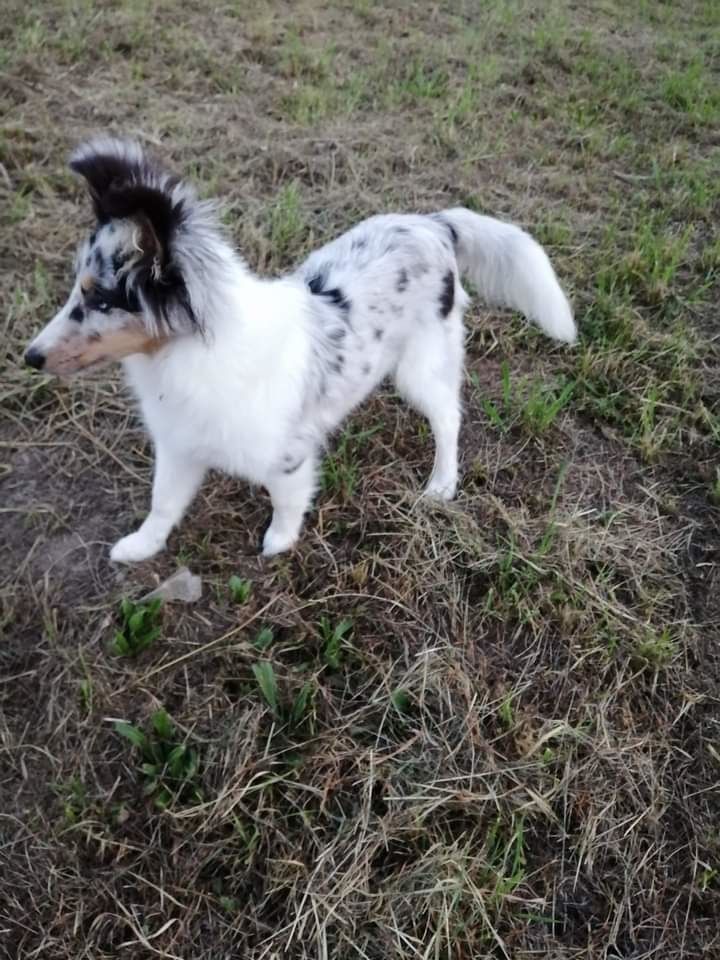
point(140, 627)
point(332, 637)
point(294, 711)
point(657, 649)
point(240, 589)
point(267, 682)
point(73, 796)
point(291, 711)
point(506, 857)
point(264, 639)
point(170, 766)
point(401, 701)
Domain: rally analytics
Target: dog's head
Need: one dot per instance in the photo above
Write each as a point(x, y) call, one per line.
point(130, 293)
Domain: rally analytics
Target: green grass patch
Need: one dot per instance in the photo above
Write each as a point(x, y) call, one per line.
point(170, 766)
point(140, 627)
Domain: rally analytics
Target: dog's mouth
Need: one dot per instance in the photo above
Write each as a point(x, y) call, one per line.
point(68, 365)
point(79, 355)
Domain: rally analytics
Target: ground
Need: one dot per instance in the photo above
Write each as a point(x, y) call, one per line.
point(487, 729)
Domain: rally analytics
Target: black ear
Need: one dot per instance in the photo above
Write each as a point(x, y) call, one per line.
point(151, 208)
point(105, 163)
point(124, 184)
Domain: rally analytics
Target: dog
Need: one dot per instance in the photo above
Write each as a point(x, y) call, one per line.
point(252, 375)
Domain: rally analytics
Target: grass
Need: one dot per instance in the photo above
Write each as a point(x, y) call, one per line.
point(170, 767)
point(140, 628)
point(240, 588)
point(480, 729)
point(341, 468)
point(533, 404)
point(332, 640)
point(286, 220)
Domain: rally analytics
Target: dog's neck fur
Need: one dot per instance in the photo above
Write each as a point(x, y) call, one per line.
point(215, 274)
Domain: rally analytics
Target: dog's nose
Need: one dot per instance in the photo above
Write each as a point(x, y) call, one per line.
point(34, 358)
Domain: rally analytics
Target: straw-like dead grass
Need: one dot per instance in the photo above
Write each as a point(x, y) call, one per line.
point(513, 751)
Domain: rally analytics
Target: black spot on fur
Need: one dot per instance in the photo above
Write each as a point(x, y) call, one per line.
point(99, 262)
point(263, 532)
point(77, 314)
point(402, 281)
point(170, 296)
point(379, 333)
point(316, 284)
point(359, 243)
point(127, 298)
point(118, 262)
point(94, 337)
point(287, 470)
point(366, 369)
point(447, 296)
point(338, 298)
point(337, 334)
point(112, 298)
point(333, 295)
point(452, 232)
point(93, 236)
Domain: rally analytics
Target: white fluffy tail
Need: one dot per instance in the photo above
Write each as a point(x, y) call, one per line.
point(510, 269)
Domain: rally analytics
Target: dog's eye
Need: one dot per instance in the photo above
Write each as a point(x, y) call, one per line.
point(102, 305)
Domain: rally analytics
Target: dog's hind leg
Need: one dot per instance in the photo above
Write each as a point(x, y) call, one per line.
point(291, 493)
point(429, 376)
point(175, 483)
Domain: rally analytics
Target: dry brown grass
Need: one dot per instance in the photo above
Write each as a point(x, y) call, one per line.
point(515, 750)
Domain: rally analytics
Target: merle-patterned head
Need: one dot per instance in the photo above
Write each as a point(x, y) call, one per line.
point(130, 293)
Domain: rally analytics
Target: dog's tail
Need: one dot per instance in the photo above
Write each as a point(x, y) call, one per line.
point(510, 269)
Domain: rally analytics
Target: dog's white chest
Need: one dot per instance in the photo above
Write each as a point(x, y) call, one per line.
point(217, 419)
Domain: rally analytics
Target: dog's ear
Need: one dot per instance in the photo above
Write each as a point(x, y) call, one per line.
point(105, 161)
point(151, 209)
point(125, 185)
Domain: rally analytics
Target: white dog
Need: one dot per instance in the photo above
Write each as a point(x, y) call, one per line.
point(250, 375)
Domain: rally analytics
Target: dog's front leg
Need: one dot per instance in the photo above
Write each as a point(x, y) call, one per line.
point(291, 493)
point(175, 484)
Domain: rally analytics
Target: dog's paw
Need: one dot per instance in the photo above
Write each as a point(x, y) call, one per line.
point(134, 548)
point(275, 542)
point(440, 489)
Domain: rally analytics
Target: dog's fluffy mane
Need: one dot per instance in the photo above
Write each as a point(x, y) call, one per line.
point(175, 256)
